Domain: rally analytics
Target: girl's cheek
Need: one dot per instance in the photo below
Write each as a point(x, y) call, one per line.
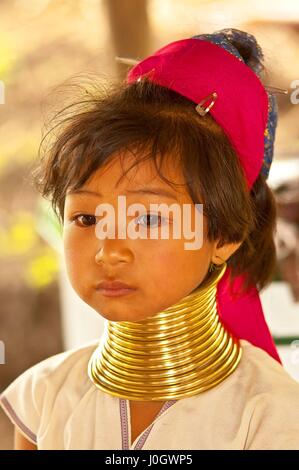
point(73, 237)
point(74, 248)
point(165, 260)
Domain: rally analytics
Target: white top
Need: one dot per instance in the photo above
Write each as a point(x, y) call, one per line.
point(55, 405)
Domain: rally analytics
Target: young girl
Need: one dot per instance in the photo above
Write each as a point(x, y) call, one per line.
point(186, 360)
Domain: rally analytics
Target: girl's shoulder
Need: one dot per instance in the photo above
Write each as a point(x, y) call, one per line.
point(267, 371)
point(56, 368)
point(63, 376)
point(271, 398)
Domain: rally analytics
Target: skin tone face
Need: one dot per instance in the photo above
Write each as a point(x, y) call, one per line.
point(161, 270)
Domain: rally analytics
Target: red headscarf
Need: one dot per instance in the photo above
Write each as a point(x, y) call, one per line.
point(196, 69)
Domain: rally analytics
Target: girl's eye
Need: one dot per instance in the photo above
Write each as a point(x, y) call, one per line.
point(149, 220)
point(89, 220)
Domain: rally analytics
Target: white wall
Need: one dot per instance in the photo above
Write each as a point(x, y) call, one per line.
point(282, 316)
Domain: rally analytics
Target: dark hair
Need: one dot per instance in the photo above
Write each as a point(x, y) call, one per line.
point(153, 122)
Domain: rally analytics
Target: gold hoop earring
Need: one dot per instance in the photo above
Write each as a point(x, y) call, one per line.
point(214, 266)
point(211, 267)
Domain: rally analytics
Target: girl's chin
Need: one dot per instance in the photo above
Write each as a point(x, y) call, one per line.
point(122, 316)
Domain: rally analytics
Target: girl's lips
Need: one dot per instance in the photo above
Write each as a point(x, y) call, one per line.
point(113, 285)
point(115, 292)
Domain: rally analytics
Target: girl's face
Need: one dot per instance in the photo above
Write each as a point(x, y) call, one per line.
point(161, 270)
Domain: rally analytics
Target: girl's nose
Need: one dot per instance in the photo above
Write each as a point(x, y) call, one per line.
point(113, 252)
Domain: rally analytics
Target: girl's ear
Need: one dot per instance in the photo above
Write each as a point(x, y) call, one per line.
point(221, 254)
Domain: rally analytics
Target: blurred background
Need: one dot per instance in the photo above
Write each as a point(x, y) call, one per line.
point(42, 44)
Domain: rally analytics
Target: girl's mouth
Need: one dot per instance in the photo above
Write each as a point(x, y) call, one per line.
point(116, 292)
point(114, 288)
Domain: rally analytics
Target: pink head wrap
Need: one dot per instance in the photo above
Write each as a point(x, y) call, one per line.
point(196, 69)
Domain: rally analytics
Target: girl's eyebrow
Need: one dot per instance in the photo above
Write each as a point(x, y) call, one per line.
point(152, 191)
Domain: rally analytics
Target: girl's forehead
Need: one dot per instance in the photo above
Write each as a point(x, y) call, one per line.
point(127, 172)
